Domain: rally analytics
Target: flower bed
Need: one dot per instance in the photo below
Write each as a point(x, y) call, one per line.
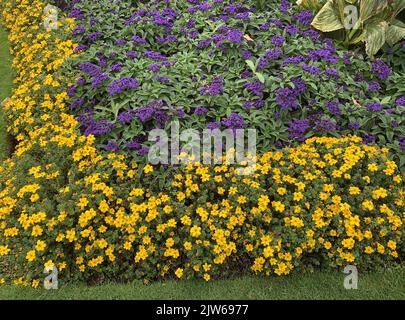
point(101, 216)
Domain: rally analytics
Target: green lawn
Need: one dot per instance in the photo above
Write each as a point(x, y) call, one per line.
point(389, 284)
point(5, 86)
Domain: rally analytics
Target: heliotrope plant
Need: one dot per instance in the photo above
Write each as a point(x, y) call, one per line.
point(224, 64)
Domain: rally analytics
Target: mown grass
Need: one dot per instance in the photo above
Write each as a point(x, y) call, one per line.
point(389, 284)
point(5, 87)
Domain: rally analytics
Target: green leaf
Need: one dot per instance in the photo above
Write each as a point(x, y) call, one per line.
point(395, 34)
point(398, 6)
point(376, 36)
point(327, 19)
point(251, 65)
point(370, 8)
point(260, 77)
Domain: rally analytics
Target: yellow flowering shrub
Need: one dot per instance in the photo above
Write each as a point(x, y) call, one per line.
point(329, 202)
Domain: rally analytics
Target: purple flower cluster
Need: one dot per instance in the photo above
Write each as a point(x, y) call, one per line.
point(121, 85)
point(234, 121)
point(381, 69)
point(213, 89)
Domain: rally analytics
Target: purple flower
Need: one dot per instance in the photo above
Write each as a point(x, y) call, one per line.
point(213, 125)
point(98, 128)
point(333, 73)
point(292, 30)
point(286, 98)
point(311, 69)
point(126, 117)
point(180, 112)
point(381, 69)
point(112, 146)
point(262, 64)
point(374, 107)
point(121, 42)
point(265, 27)
point(235, 121)
point(143, 151)
point(214, 89)
point(374, 86)
point(156, 56)
point(121, 85)
point(71, 91)
point(255, 87)
point(246, 54)
point(278, 41)
point(347, 59)
point(138, 40)
point(99, 80)
point(314, 35)
point(77, 103)
point(200, 111)
point(79, 30)
point(116, 67)
point(134, 145)
point(299, 86)
point(401, 101)
point(368, 138)
point(258, 104)
point(235, 36)
point(81, 47)
point(354, 125)
point(324, 125)
point(273, 54)
point(161, 79)
point(81, 82)
point(298, 128)
point(305, 17)
point(92, 37)
point(334, 108)
point(154, 67)
point(132, 54)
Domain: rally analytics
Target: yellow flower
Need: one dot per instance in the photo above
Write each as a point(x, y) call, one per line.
point(4, 250)
point(40, 246)
point(354, 191)
point(348, 243)
point(35, 283)
point(179, 273)
point(36, 231)
point(195, 231)
point(30, 255)
point(368, 250)
point(181, 196)
point(207, 277)
point(380, 193)
point(327, 245)
point(278, 206)
point(148, 168)
point(392, 245)
point(187, 245)
point(281, 191)
point(169, 242)
point(368, 205)
point(298, 196)
point(372, 167)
